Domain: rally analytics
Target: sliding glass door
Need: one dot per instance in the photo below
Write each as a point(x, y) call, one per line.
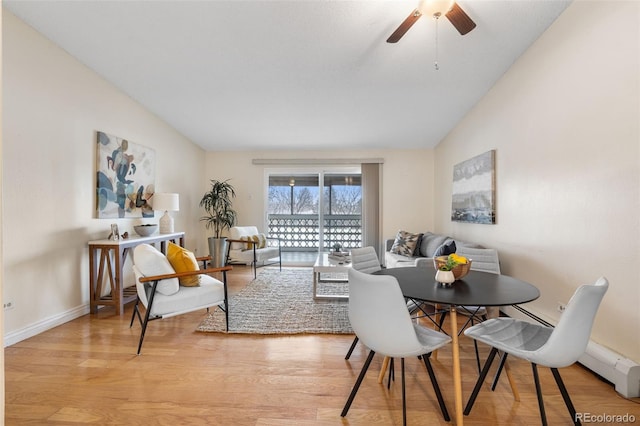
point(313, 210)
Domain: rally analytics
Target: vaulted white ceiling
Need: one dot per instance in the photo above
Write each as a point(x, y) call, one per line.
point(305, 74)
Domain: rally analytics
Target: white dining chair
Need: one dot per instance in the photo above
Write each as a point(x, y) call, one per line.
point(483, 260)
point(365, 260)
point(541, 345)
point(390, 331)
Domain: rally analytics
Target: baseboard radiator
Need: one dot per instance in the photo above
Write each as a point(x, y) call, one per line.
point(622, 372)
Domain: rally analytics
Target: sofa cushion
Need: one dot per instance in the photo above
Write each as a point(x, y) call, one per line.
point(405, 243)
point(150, 262)
point(182, 260)
point(208, 293)
point(445, 249)
point(430, 243)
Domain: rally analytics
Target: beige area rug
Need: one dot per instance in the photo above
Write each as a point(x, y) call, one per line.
point(282, 303)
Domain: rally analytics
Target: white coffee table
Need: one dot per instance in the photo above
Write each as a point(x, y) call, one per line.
point(326, 265)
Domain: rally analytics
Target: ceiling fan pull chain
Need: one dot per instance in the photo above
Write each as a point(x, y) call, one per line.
point(435, 64)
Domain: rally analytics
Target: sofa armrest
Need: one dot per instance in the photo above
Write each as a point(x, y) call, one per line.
point(388, 244)
point(424, 262)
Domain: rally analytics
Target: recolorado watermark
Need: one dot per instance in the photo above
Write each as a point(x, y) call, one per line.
point(605, 418)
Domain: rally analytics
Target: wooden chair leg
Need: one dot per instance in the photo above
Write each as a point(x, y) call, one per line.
point(512, 382)
point(383, 369)
point(507, 369)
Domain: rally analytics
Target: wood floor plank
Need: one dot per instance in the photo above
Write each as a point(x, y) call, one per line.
point(86, 372)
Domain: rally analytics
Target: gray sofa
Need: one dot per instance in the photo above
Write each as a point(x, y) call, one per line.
point(428, 244)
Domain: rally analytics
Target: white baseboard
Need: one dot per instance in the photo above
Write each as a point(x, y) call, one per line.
point(44, 325)
point(622, 372)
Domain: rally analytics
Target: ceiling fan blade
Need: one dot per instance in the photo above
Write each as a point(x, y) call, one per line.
point(404, 27)
point(460, 19)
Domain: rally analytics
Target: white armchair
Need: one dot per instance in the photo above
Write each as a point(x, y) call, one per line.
point(162, 295)
point(248, 246)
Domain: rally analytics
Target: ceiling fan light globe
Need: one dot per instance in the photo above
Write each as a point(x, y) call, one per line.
point(435, 8)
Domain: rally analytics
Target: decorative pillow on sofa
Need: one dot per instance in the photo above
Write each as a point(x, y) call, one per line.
point(182, 260)
point(150, 262)
point(405, 243)
point(445, 249)
point(430, 243)
point(247, 246)
point(259, 240)
point(416, 251)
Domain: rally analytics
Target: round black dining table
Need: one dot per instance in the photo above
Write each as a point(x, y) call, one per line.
point(475, 289)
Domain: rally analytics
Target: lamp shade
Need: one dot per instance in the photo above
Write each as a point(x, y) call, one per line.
point(166, 202)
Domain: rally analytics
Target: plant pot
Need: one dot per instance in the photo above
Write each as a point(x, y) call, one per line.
point(445, 277)
point(218, 251)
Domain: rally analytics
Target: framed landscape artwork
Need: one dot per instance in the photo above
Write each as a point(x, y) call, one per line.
point(125, 178)
point(473, 192)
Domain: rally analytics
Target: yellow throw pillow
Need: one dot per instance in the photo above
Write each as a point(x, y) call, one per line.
point(262, 241)
point(182, 260)
point(247, 246)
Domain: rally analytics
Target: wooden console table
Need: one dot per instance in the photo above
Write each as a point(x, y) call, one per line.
point(112, 255)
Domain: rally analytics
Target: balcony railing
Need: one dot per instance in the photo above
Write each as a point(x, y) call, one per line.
point(301, 232)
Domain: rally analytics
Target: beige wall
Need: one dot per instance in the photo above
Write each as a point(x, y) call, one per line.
point(407, 184)
point(52, 108)
point(564, 123)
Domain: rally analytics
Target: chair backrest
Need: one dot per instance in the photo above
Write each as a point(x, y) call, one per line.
point(149, 261)
point(570, 337)
point(379, 316)
point(141, 288)
point(482, 259)
point(365, 260)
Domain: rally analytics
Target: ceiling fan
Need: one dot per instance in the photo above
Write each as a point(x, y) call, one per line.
point(436, 8)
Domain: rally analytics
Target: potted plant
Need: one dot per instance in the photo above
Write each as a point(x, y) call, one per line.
point(220, 216)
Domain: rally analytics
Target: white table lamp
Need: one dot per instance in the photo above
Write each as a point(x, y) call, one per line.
point(168, 203)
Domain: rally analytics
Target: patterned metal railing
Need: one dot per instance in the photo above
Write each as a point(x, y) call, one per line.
point(300, 232)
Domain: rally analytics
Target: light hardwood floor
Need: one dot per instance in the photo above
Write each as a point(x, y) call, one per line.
point(86, 372)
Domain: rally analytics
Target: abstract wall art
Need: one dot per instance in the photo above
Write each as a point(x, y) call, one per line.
point(125, 178)
point(473, 193)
